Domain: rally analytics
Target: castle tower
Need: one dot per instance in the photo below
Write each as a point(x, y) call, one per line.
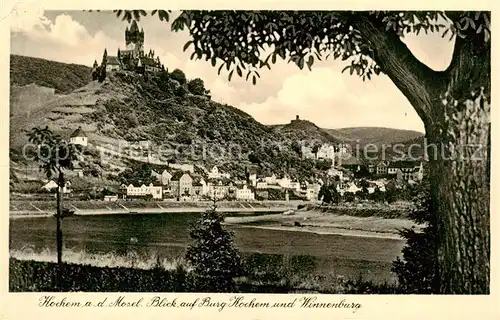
point(134, 39)
point(104, 57)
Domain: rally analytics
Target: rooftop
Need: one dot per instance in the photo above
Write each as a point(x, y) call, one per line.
point(78, 133)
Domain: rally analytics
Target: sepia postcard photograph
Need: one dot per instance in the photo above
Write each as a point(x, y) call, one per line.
point(320, 157)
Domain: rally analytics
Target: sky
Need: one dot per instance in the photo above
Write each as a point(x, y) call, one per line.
point(324, 95)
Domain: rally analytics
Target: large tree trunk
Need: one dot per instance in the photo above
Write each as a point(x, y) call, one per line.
point(460, 172)
point(457, 121)
point(59, 215)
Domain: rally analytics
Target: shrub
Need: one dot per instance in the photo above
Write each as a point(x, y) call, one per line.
point(196, 86)
point(180, 92)
point(416, 271)
point(215, 260)
point(178, 75)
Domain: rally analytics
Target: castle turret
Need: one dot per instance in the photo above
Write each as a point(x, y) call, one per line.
point(104, 57)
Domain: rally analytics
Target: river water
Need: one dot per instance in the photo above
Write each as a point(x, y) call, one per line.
point(144, 237)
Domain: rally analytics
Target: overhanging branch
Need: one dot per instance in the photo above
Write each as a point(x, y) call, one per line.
point(414, 79)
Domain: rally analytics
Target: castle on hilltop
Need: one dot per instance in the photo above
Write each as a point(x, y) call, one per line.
point(132, 58)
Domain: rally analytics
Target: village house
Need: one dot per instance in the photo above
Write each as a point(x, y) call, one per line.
point(182, 185)
point(271, 179)
point(407, 170)
point(155, 191)
point(163, 178)
point(51, 186)
point(245, 193)
point(200, 187)
point(295, 185)
point(284, 182)
point(381, 167)
point(78, 137)
point(111, 198)
point(215, 173)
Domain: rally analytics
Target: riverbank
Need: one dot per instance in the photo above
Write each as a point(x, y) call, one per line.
point(327, 223)
point(26, 208)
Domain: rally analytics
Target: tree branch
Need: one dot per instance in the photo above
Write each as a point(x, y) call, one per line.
point(413, 78)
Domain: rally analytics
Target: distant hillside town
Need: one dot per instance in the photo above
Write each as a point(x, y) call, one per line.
point(188, 182)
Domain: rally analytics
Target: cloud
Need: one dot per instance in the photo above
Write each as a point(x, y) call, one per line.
point(324, 95)
point(63, 39)
point(334, 100)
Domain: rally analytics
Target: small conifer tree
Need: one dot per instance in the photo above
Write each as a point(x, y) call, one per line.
point(213, 256)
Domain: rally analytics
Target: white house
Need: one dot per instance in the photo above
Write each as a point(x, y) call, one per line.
point(216, 174)
point(271, 180)
point(79, 137)
point(295, 185)
point(52, 185)
point(284, 182)
point(155, 191)
point(164, 177)
point(111, 198)
point(244, 193)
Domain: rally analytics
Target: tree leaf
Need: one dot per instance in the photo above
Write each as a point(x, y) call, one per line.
point(254, 80)
point(187, 45)
point(301, 63)
point(238, 70)
point(220, 68)
point(310, 62)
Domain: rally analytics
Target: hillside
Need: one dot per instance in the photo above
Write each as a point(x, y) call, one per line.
point(300, 130)
point(182, 127)
point(379, 135)
point(63, 77)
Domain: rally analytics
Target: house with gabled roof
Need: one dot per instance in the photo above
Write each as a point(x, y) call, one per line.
point(79, 137)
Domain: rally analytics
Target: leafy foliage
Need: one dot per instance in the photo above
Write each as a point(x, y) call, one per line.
point(416, 271)
point(245, 41)
point(196, 86)
point(178, 75)
point(215, 260)
point(54, 154)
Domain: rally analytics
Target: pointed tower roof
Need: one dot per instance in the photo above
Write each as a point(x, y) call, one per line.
point(134, 26)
